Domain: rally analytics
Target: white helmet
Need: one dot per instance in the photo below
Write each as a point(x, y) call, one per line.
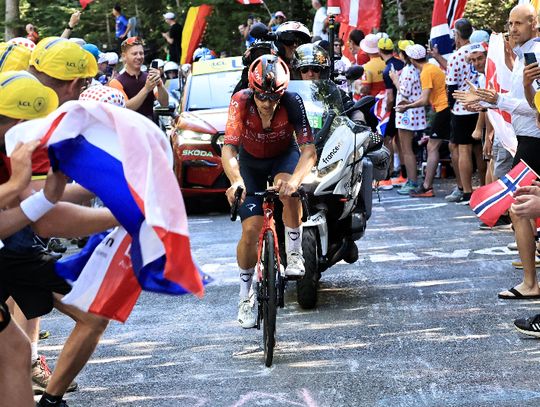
point(161, 63)
point(112, 58)
point(170, 66)
point(293, 30)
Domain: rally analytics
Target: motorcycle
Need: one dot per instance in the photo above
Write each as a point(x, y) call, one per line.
point(339, 188)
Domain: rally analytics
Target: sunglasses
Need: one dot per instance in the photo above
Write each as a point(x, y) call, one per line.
point(289, 43)
point(272, 97)
point(314, 69)
point(132, 41)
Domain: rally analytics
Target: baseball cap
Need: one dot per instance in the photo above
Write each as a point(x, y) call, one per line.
point(63, 59)
point(14, 57)
point(280, 14)
point(416, 51)
point(169, 16)
point(102, 57)
point(112, 58)
point(385, 44)
point(479, 36)
point(104, 94)
point(93, 49)
point(403, 44)
point(22, 96)
point(23, 41)
point(477, 47)
point(369, 44)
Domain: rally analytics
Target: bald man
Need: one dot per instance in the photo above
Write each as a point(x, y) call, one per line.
point(522, 28)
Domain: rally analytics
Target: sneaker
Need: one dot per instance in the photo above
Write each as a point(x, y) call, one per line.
point(422, 192)
point(44, 335)
point(465, 199)
point(46, 403)
point(519, 265)
point(246, 313)
point(407, 188)
point(529, 326)
point(455, 196)
point(295, 265)
point(512, 246)
point(41, 375)
point(386, 185)
point(503, 222)
point(398, 181)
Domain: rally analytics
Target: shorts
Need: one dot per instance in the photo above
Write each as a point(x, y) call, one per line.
point(528, 150)
point(256, 172)
point(31, 280)
point(440, 125)
point(391, 129)
point(463, 127)
point(502, 160)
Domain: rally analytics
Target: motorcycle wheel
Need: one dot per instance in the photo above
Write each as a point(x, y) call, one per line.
point(306, 288)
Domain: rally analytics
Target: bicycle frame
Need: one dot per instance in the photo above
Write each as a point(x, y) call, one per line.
point(268, 225)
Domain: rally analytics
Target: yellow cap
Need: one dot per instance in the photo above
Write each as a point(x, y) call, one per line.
point(402, 44)
point(63, 59)
point(14, 57)
point(385, 44)
point(22, 96)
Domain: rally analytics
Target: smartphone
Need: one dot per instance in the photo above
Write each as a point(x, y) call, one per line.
point(154, 64)
point(530, 58)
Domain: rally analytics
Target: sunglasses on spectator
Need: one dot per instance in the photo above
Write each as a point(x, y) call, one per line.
point(132, 41)
point(314, 69)
point(272, 97)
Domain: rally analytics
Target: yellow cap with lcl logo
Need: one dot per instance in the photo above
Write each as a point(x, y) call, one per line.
point(22, 96)
point(14, 57)
point(385, 44)
point(63, 59)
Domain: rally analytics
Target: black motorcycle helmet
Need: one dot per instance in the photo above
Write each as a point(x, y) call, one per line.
point(257, 49)
point(311, 55)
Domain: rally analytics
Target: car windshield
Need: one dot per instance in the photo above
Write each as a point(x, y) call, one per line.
point(212, 91)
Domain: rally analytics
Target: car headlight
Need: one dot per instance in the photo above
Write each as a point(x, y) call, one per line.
point(193, 136)
point(328, 169)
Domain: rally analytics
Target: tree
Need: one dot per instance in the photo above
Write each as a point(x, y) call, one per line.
point(12, 19)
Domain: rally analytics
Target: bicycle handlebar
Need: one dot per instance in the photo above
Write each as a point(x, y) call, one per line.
point(300, 193)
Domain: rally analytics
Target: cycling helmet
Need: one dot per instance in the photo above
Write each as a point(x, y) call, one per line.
point(268, 74)
point(202, 54)
point(104, 94)
point(257, 49)
point(311, 55)
point(293, 31)
point(170, 67)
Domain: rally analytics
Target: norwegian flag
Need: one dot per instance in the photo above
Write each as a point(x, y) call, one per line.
point(379, 111)
point(250, 1)
point(491, 201)
point(499, 77)
point(440, 29)
point(454, 11)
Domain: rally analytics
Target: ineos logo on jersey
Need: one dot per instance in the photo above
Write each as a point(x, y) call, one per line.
point(197, 153)
point(332, 153)
point(251, 206)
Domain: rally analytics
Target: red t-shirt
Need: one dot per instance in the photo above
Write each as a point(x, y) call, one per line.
point(244, 125)
point(361, 57)
point(40, 165)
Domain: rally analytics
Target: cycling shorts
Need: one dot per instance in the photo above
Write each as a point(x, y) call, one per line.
point(256, 172)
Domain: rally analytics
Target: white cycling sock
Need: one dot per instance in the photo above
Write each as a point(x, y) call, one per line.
point(293, 239)
point(246, 276)
point(33, 347)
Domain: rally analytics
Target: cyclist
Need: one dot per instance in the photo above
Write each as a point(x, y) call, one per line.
point(267, 134)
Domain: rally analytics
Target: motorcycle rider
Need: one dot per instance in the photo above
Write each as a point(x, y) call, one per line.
point(267, 134)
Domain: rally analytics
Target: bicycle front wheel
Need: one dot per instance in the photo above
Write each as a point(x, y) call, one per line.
point(269, 296)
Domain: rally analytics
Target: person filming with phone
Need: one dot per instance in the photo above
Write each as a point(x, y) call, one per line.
point(141, 88)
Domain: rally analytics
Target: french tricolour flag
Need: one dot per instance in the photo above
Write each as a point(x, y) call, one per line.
point(491, 201)
point(379, 110)
point(126, 161)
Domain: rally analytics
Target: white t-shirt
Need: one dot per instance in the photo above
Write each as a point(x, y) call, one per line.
point(318, 24)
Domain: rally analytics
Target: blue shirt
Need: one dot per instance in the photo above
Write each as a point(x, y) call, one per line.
point(121, 25)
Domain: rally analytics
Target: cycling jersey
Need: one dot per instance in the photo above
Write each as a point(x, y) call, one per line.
point(244, 125)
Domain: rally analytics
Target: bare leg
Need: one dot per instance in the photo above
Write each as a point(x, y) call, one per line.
point(246, 251)
point(292, 208)
point(78, 348)
point(432, 161)
point(481, 164)
point(388, 143)
point(465, 166)
point(15, 381)
point(409, 160)
point(454, 154)
point(30, 327)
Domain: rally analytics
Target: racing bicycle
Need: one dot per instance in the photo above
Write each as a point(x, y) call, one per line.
point(270, 277)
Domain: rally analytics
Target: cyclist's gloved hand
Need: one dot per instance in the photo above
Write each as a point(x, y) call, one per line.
point(230, 193)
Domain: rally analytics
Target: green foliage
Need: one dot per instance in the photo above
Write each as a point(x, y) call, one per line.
point(491, 14)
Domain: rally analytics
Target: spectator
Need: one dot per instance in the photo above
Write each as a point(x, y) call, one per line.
point(434, 93)
point(122, 25)
point(372, 81)
point(32, 33)
point(173, 37)
point(409, 90)
point(320, 22)
point(278, 19)
point(137, 85)
point(133, 24)
point(355, 38)
point(73, 21)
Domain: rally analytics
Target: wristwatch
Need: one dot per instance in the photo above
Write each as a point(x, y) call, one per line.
point(68, 27)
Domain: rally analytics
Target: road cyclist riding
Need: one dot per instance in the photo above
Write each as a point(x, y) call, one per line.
point(267, 136)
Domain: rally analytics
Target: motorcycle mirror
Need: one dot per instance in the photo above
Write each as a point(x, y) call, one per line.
point(361, 104)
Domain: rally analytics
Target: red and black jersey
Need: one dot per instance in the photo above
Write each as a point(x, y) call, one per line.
point(244, 125)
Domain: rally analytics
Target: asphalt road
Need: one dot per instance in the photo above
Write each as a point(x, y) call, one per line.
point(415, 322)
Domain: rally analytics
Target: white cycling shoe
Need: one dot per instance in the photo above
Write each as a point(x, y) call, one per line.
point(295, 265)
point(246, 313)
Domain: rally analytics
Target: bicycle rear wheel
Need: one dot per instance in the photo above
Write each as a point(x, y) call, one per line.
point(269, 296)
